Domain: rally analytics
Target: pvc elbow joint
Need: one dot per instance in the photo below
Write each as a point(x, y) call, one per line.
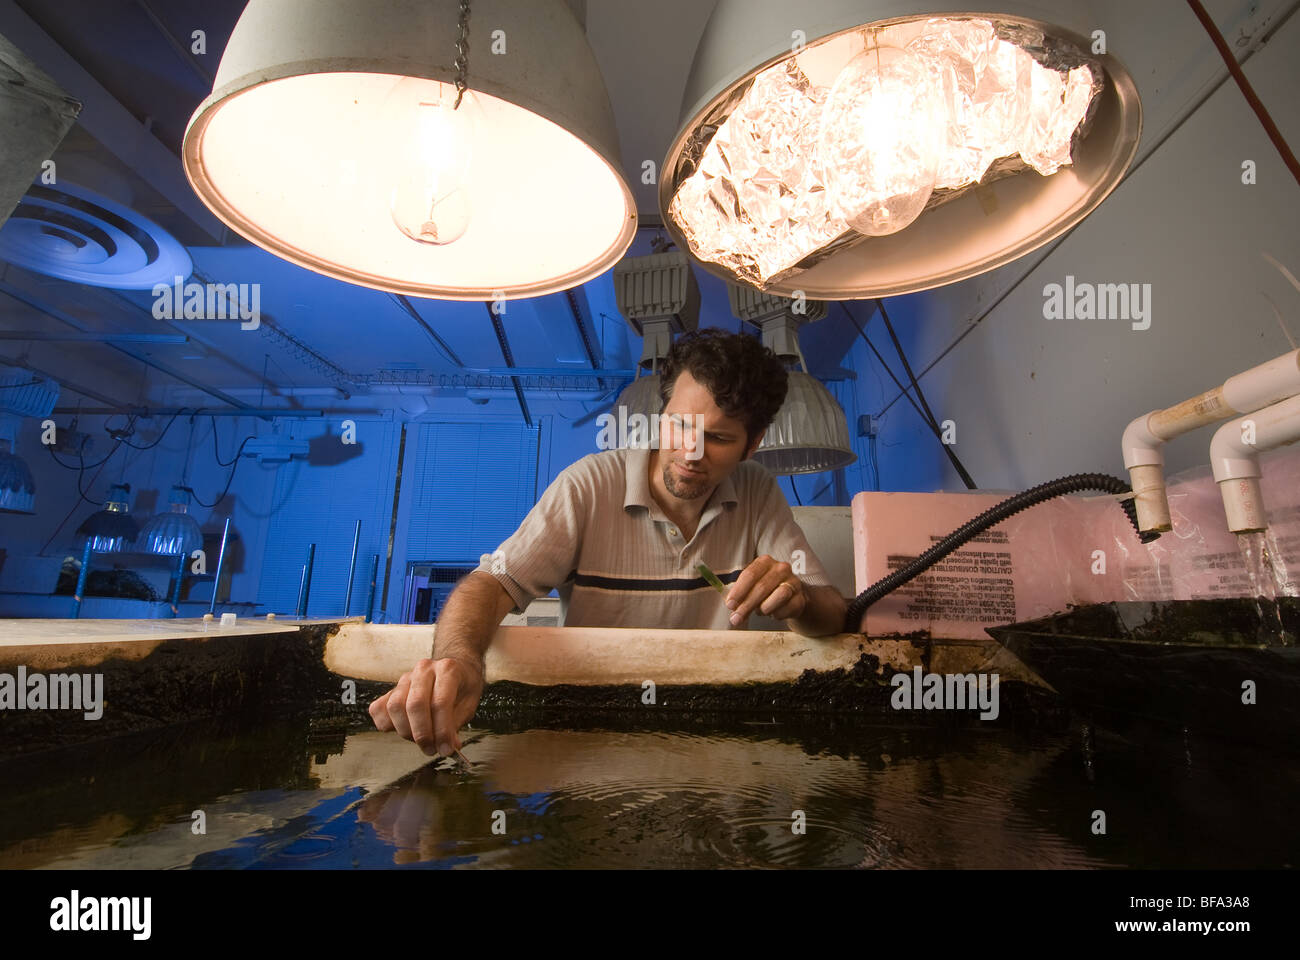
point(1142, 448)
point(1144, 458)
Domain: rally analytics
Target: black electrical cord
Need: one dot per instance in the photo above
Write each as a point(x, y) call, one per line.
point(80, 471)
point(994, 515)
point(934, 423)
point(148, 446)
point(84, 466)
point(216, 452)
point(796, 490)
point(76, 504)
point(230, 479)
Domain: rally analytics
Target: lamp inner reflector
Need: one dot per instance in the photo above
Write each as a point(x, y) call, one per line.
point(306, 166)
point(859, 134)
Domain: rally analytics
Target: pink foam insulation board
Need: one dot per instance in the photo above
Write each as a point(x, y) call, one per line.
point(1069, 551)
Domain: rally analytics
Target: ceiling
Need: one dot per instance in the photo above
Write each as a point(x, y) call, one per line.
point(322, 343)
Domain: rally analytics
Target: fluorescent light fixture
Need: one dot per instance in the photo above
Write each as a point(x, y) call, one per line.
point(891, 147)
point(332, 139)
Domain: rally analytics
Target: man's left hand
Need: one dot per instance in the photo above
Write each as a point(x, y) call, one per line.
point(771, 588)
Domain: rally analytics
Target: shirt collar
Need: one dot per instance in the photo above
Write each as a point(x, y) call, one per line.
point(637, 490)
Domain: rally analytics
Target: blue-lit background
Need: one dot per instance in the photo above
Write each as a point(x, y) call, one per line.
point(441, 474)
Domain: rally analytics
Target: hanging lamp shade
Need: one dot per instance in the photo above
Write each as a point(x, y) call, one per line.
point(632, 418)
point(642, 396)
point(112, 529)
point(888, 146)
point(332, 139)
point(17, 487)
point(175, 532)
point(809, 434)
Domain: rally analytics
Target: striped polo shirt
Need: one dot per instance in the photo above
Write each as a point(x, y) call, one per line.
point(598, 537)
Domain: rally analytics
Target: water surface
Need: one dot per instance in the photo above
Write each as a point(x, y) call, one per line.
point(743, 792)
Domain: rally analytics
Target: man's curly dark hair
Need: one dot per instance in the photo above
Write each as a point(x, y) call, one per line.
point(747, 380)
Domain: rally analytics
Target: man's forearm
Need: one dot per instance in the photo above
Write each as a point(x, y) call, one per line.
point(471, 617)
point(823, 615)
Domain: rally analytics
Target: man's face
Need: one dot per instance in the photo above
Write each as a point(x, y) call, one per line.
point(699, 445)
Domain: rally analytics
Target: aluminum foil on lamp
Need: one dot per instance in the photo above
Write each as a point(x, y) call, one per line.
point(810, 433)
point(900, 148)
point(336, 138)
point(174, 533)
point(112, 529)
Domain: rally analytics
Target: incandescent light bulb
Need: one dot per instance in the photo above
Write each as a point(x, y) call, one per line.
point(432, 146)
point(883, 137)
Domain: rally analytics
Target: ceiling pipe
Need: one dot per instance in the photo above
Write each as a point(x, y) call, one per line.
point(402, 301)
point(64, 382)
point(510, 362)
point(617, 374)
point(579, 321)
point(305, 354)
point(44, 335)
point(175, 44)
point(23, 297)
point(266, 413)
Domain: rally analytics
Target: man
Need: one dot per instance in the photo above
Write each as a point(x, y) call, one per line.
point(619, 534)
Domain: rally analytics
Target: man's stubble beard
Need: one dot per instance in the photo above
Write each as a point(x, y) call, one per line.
point(672, 484)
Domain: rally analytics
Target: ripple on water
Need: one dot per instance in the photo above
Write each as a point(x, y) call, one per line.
point(709, 803)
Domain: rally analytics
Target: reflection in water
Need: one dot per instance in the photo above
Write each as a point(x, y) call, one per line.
point(803, 793)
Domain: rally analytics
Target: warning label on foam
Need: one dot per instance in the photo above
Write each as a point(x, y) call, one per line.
point(972, 585)
point(1071, 551)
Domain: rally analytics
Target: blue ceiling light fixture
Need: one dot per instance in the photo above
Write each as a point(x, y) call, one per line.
point(174, 533)
point(17, 487)
point(22, 395)
point(112, 529)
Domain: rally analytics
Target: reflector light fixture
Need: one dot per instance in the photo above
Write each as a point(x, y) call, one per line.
point(888, 147)
point(337, 137)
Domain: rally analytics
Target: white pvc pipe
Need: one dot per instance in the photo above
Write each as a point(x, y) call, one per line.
point(1144, 438)
point(1265, 384)
point(1234, 455)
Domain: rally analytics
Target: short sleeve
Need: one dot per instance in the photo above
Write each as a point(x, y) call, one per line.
point(780, 536)
point(540, 555)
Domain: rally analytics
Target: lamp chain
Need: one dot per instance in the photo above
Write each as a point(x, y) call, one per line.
point(462, 54)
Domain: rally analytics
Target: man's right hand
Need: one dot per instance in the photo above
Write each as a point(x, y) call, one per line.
point(431, 703)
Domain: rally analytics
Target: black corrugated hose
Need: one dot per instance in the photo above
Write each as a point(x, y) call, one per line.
point(994, 515)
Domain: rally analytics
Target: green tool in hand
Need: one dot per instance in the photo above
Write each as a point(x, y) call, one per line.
point(712, 578)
